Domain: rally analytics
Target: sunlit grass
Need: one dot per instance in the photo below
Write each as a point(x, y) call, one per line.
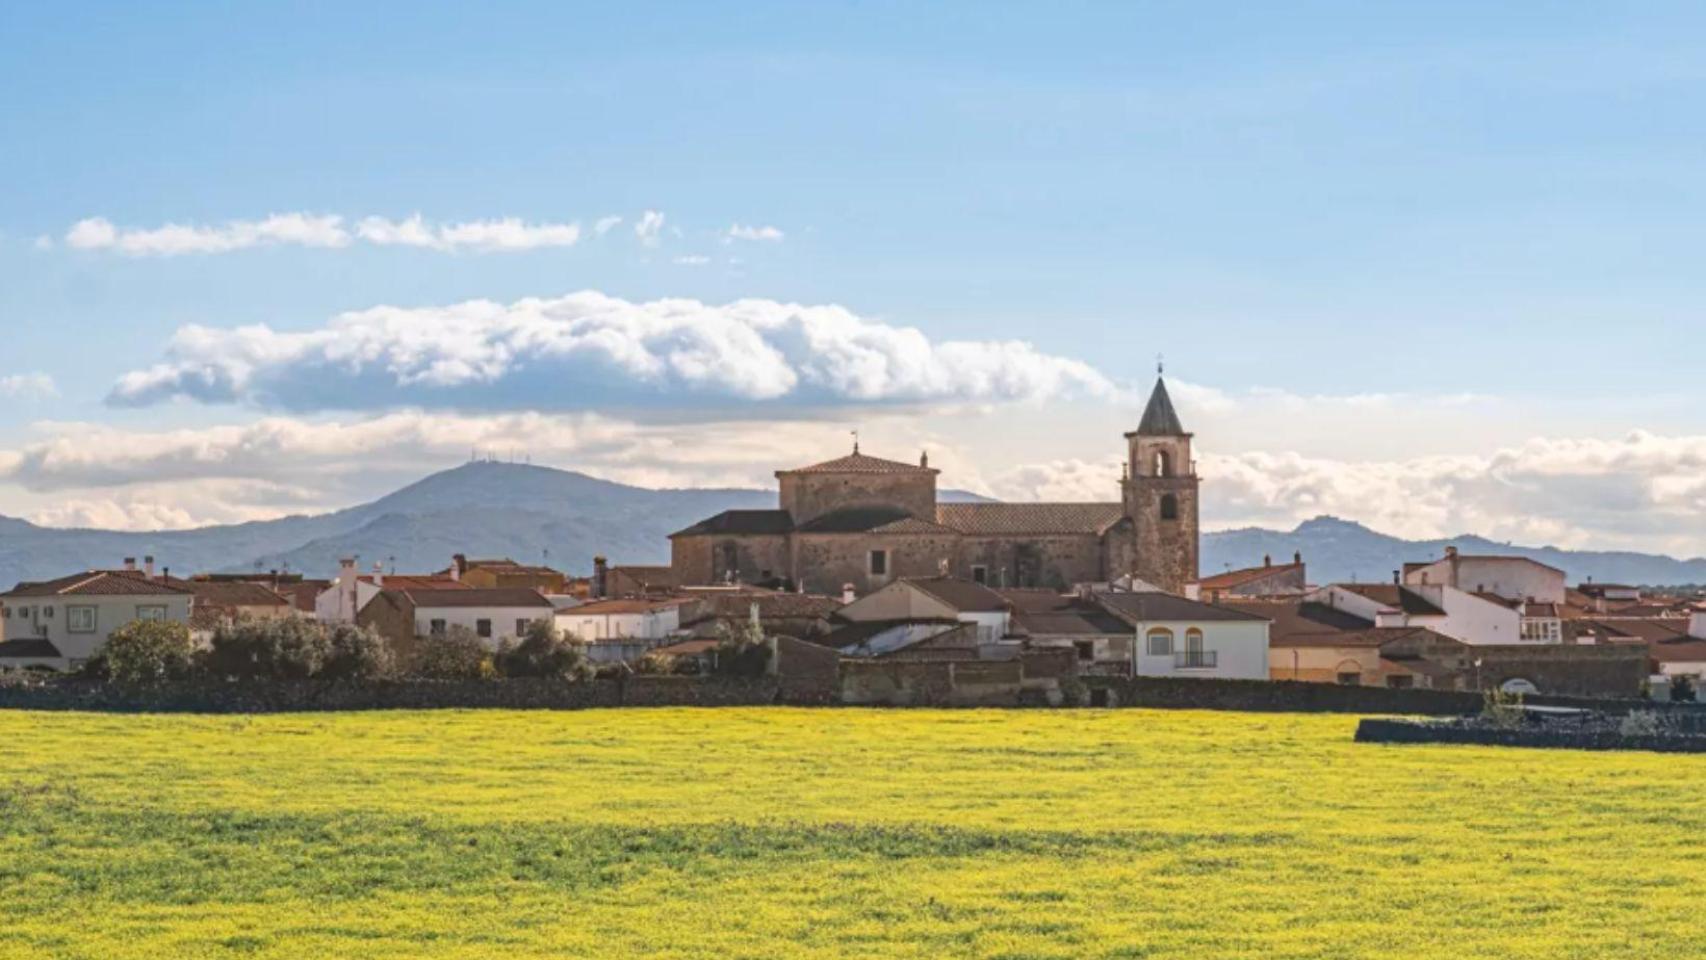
point(830, 833)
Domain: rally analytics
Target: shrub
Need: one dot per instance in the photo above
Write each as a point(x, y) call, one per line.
point(742, 650)
point(279, 648)
point(358, 653)
point(1639, 723)
point(1682, 688)
point(1502, 708)
point(655, 664)
point(457, 655)
point(543, 652)
point(145, 652)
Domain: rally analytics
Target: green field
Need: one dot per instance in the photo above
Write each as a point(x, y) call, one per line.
point(830, 833)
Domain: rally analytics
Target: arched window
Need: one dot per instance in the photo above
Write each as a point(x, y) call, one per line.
point(1169, 507)
point(1160, 642)
point(1163, 464)
point(1193, 640)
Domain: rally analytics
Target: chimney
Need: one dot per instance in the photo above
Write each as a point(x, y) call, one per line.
point(130, 563)
point(346, 590)
point(379, 575)
point(1297, 556)
point(600, 577)
point(148, 567)
point(847, 594)
point(1267, 560)
point(1697, 624)
point(1396, 577)
point(924, 459)
point(1451, 551)
point(458, 566)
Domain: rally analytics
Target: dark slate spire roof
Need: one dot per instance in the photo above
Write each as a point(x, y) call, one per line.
point(1159, 420)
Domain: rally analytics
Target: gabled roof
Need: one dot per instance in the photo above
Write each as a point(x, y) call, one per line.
point(96, 583)
point(1048, 613)
point(963, 595)
point(1159, 418)
point(1235, 578)
point(1012, 519)
point(1295, 617)
point(1394, 597)
point(231, 593)
point(475, 597)
point(415, 581)
point(857, 462)
point(1151, 607)
point(741, 522)
point(599, 608)
point(870, 520)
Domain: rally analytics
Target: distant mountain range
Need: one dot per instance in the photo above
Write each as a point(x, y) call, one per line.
point(505, 509)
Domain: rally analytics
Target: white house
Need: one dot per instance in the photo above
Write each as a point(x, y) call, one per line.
point(493, 614)
point(1176, 637)
point(622, 619)
point(1481, 619)
point(1513, 578)
point(352, 591)
point(61, 623)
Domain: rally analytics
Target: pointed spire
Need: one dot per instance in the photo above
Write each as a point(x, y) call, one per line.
point(1159, 418)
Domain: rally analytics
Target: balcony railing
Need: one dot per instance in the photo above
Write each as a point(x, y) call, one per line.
point(1195, 660)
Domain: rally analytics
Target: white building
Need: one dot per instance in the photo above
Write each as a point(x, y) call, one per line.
point(1481, 618)
point(352, 591)
point(494, 615)
point(60, 623)
point(1176, 637)
point(1513, 578)
point(622, 619)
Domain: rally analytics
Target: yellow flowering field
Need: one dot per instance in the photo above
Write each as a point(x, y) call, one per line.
point(778, 832)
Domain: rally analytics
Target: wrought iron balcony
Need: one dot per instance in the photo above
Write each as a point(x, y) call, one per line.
point(1195, 660)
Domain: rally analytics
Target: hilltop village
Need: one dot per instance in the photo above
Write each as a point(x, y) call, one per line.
point(860, 563)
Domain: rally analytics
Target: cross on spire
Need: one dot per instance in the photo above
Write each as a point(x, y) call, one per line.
point(855, 441)
point(1160, 364)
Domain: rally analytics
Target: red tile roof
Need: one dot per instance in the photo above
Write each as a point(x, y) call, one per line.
point(857, 462)
point(476, 597)
point(1234, 578)
point(1010, 519)
point(96, 583)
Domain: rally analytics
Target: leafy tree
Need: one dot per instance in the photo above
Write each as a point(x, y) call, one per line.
point(742, 650)
point(543, 652)
point(277, 648)
point(457, 655)
point(358, 653)
point(145, 652)
point(655, 664)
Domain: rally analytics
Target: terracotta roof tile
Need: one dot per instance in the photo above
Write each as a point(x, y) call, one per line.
point(860, 463)
point(1009, 519)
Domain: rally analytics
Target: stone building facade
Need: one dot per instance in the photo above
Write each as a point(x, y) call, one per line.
point(863, 521)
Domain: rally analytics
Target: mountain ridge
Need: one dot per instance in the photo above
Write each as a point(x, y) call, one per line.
point(535, 513)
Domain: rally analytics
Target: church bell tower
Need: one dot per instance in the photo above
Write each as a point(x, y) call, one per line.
point(1160, 496)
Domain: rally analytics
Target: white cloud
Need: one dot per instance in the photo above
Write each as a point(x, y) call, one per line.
point(29, 386)
point(586, 349)
point(605, 224)
point(743, 232)
point(300, 229)
point(648, 228)
point(481, 236)
point(692, 260)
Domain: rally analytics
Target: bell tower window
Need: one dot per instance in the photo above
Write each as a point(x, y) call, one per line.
point(1163, 464)
point(1169, 507)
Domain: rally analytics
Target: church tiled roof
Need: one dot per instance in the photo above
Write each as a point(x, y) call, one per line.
point(857, 462)
point(1159, 419)
point(1014, 519)
point(869, 520)
point(741, 522)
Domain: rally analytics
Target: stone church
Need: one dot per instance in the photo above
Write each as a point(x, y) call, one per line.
point(863, 521)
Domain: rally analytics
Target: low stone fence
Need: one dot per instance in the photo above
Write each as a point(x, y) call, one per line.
point(1302, 697)
point(1404, 731)
point(298, 696)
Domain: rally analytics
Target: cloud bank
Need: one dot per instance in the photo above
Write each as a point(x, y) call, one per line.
point(588, 349)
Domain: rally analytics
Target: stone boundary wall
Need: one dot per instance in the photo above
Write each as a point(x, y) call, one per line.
point(301, 696)
point(1403, 731)
point(1303, 697)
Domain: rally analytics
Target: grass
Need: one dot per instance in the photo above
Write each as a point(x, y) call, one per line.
point(831, 833)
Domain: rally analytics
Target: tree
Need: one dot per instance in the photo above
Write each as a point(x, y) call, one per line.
point(543, 652)
point(145, 652)
point(277, 648)
point(358, 653)
point(742, 650)
point(457, 655)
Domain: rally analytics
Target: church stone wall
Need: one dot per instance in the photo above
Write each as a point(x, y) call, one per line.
point(750, 558)
point(826, 561)
point(1038, 561)
point(807, 496)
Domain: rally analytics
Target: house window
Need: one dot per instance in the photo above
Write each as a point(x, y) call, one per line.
point(879, 563)
point(483, 628)
point(1350, 679)
point(1160, 642)
point(47, 612)
point(1169, 507)
point(980, 574)
point(436, 627)
point(520, 626)
point(154, 612)
point(80, 619)
point(1086, 650)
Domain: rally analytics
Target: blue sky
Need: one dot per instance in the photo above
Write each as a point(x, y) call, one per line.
point(1364, 236)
